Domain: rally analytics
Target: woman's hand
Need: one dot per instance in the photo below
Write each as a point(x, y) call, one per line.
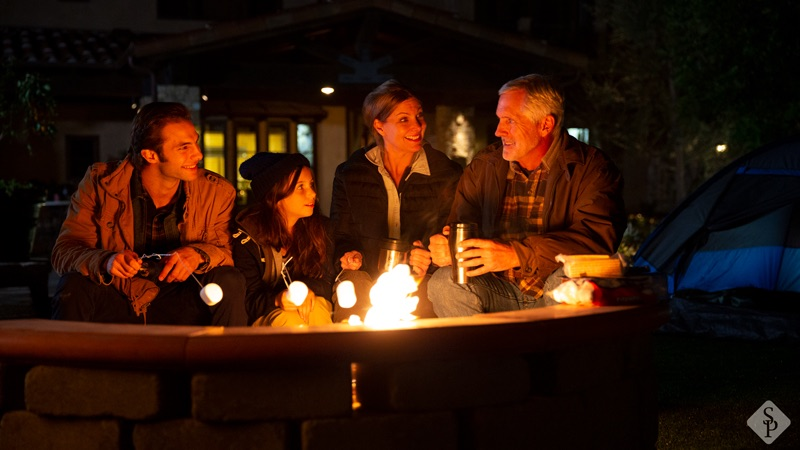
point(419, 259)
point(351, 260)
point(304, 309)
point(308, 305)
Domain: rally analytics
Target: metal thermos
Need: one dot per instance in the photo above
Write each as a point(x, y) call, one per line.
point(458, 233)
point(392, 253)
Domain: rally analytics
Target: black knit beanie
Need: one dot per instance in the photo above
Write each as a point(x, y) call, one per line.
point(265, 169)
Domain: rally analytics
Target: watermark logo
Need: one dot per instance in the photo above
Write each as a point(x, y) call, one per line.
point(768, 422)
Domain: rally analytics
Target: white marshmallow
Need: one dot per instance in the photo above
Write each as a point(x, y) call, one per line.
point(298, 291)
point(211, 294)
point(346, 293)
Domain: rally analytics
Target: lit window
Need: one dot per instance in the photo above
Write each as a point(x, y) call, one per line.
point(278, 137)
point(245, 148)
point(305, 141)
point(581, 134)
point(214, 150)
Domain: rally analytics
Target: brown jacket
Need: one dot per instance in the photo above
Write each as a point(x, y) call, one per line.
point(584, 210)
point(100, 223)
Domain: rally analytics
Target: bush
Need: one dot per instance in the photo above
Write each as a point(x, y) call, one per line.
point(639, 227)
point(27, 106)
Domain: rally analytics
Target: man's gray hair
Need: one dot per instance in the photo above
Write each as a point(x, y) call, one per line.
point(541, 97)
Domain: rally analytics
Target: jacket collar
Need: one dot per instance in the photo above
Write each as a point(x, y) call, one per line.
point(118, 182)
point(419, 163)
point(563, 153)
point(569, 151)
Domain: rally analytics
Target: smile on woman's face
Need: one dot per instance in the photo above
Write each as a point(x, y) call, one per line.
point(405, 127)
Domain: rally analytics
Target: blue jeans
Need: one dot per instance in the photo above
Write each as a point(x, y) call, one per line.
point(483, 294)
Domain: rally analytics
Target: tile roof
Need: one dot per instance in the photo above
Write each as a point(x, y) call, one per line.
point(51, 47)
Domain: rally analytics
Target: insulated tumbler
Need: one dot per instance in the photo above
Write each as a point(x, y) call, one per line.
point(392, 253)
point(458, 233)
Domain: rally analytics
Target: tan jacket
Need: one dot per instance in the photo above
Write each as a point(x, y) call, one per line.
point(100, 223)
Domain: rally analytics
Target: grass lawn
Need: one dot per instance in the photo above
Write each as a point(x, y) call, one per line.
point(709, 387)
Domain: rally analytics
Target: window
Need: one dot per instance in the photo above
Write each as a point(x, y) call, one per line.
point(245, 148)
point(581, 134)
point(228, 142)
point(305, 141)
point(214, 148)
point(278, 137)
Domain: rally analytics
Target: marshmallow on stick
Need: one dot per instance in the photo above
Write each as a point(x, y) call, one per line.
point(211, 294)
point(298, 291)
point(346, 293)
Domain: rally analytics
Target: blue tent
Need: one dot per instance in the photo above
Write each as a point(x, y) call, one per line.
point(736, 239)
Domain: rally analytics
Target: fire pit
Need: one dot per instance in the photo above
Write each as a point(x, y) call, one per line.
point(500, 380)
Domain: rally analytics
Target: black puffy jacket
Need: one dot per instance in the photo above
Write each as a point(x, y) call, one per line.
point(359, 206)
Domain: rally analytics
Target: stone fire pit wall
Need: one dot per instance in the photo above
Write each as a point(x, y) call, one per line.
point(561, 376)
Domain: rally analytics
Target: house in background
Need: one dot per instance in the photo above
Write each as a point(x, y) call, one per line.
point(253, 72)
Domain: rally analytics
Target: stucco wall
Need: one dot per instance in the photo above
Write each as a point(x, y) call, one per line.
point(331, 151)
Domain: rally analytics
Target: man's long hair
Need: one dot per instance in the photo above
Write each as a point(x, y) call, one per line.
point(308, 241)
point(147, 127)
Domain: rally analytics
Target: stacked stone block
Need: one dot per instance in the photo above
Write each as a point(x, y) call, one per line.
point(594, 395)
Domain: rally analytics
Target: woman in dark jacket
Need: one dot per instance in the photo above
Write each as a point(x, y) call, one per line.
point(282, 238)
point(398, 188)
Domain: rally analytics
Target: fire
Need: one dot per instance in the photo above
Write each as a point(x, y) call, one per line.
point(354, 319)
point(391, 298)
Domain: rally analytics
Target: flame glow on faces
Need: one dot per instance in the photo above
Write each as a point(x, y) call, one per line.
point(391, 298)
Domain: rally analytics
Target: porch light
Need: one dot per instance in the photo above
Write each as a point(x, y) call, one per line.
point(327, 90)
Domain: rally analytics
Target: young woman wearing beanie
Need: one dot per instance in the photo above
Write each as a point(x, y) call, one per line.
point(282, 237)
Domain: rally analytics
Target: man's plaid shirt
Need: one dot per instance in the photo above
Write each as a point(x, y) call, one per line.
point(523, 210)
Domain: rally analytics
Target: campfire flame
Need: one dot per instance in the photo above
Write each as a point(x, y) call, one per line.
point(391, 298)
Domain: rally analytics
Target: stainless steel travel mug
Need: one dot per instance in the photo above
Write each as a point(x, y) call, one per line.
point(392, 253)
point(458, 233)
